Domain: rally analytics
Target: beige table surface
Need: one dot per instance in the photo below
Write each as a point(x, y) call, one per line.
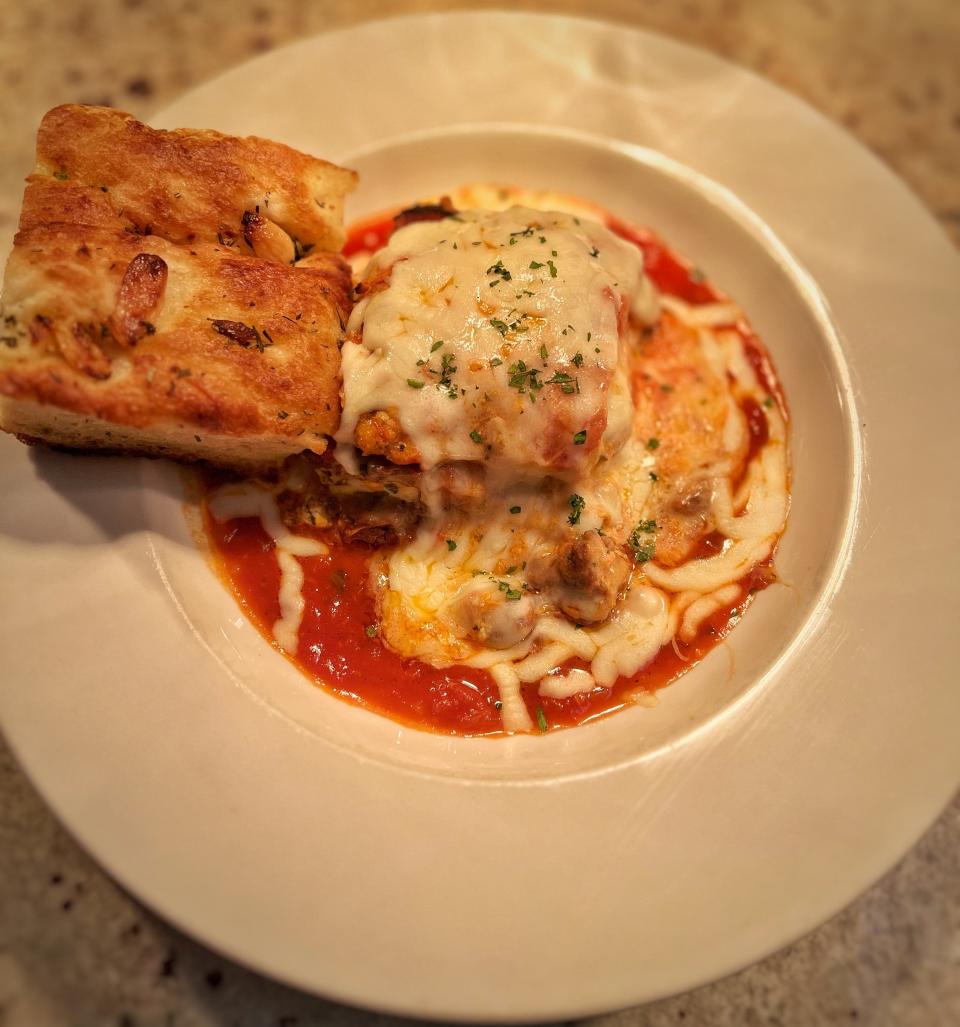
point(74, 948)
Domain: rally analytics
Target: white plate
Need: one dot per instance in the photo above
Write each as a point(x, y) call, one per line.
point(560, 876)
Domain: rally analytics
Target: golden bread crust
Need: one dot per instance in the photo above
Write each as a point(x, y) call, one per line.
point(152, 304)
point(140, 333)
point(185, 185)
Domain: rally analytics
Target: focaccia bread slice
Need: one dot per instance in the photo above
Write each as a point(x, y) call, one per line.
point(100, 166)
point(174, 294)
point(110, 340)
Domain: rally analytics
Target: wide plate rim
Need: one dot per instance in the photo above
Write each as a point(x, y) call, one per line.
point(525, 1010)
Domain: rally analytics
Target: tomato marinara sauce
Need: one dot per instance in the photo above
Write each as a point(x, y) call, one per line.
point(339, 643)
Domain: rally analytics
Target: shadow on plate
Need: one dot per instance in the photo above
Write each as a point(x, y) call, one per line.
point(92, 499)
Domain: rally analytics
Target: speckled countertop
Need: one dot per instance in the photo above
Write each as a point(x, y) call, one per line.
point(74, 948)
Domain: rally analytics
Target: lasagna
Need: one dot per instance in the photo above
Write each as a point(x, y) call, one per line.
point(559, 476)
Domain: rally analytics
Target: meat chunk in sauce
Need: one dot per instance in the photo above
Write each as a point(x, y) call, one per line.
point(584, 578)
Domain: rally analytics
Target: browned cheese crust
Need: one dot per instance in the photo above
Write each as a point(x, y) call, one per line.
point(113, 337)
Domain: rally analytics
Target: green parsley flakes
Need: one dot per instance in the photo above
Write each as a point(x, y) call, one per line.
point(567, 384)
point(642, 551)
point(445, 375)
point(499, 270)
point(503, 327)
point(523, 378)
point(416, 383)
point(577, 503)
point(542, 719)
point(436, 346)
point(643, 548)
point(580, 438)
point(515, 509)
point(553, 268)
point(653, 443)
point(476, 436)
point(451, 544)
point(370, 631)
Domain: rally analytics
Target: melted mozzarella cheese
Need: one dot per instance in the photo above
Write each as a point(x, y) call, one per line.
point(456, 315)
point(562, 686)
point(249, 500)
point(525, 518)
point(703, 315)
point(705, 606)
point(633, 636)
point(495, 336)
point(521, 521)
point(513, 710)
point(286, 629)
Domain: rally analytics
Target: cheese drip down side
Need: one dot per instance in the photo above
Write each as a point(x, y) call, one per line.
point(495, 337)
